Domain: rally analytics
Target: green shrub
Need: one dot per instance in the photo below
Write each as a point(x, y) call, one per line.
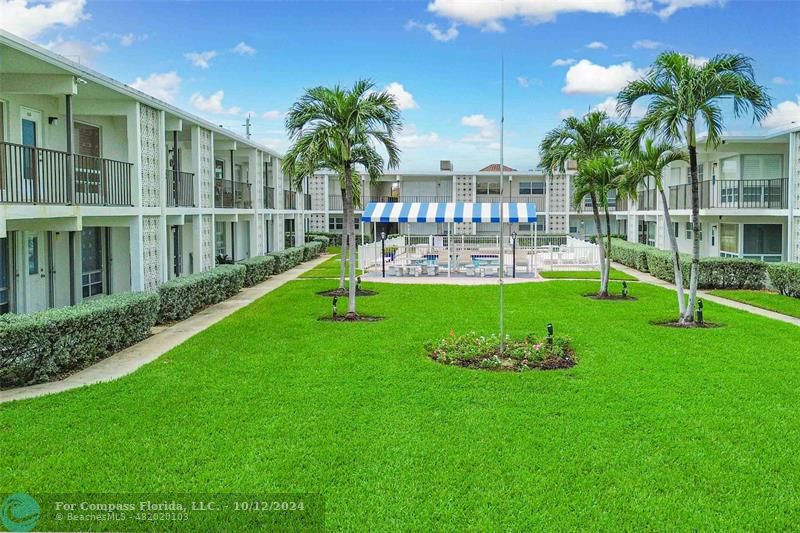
point(257, 269)
point(312, 250)
point(659, 263)
point(326, 241)
point(37, 347)
point(184, 296)
point(630, 254)
point(785, 278)
point(726, 273)
point(334, 239)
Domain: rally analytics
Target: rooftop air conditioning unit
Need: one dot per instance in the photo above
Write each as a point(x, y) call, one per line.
point(446, 166)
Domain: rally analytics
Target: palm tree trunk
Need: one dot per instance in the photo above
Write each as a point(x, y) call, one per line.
point(601, 244)
point(344, 244)
point(351, 240)
point(676, 256)
point(608, 239)
point(688, 315)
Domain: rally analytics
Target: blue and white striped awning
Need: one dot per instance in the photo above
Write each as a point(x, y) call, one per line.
point(448, 212)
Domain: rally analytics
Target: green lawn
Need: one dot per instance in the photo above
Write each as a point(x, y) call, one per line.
point(655, 428)
point(764, 299)
point(584, 274)
point(329, 268)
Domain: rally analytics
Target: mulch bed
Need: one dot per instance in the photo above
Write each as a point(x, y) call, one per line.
point(508, 364)
point(610, 297)
point(345, 318)
point(686, 325)
point(345, 292)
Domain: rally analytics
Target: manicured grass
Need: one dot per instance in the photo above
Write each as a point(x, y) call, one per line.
point(584, 274)
point(329, 269)
point(763, 299)
point(655, 428)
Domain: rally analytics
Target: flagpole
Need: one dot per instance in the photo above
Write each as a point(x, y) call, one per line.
point(502, 180)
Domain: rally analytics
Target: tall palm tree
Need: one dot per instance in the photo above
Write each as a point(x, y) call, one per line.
point(684, 94)
point(596, 178)
point(582, 139)
point(341, 129)
point(648, 162)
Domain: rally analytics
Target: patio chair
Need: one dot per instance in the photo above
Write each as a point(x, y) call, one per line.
point(432, 270)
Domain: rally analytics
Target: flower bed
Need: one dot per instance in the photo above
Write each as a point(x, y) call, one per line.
point(472, 350)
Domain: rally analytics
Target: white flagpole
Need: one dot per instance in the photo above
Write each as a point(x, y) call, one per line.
point(502, 180)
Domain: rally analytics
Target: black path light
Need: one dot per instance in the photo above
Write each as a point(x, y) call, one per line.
point(699, 311)
point(513, 254)
point(383, 254)
point(550, 334)
point(335, 301)
point(624, 289)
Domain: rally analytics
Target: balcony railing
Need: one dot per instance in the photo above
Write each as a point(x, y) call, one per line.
point(647, 200)
point(733, 194)
point(32, 175)
point(307, 202)
point(232, 194)
point(289, 199)
point(537, 199)
point(181, 189)
point(269, 197)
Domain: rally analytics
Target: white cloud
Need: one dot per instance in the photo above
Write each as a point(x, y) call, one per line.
point(566, 113)
point(164, 85)
point(697, 61)
point(563, 62)
point(647, 44)
point(780, 80)
point(523, 81)
point(213, 104)
point(609, 106)
point(29, 19)
point(489, 14)
point(273, 115)
point(783, 114)
point(597, 45)
point(441, 35)
point(404, 99)
point(410, 138)
point(201, 59)
point(243, 49)
point(485, 128)
point(587, 78)
point(78, 51)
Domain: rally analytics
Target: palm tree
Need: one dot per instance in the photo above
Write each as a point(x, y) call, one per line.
point(649, 162)
point(341, 129)
point(596, 178)
point(684, 94)
point(582, 139)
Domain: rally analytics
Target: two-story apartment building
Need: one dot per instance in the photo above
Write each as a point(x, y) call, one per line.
point(749, 200)
point(104, 189)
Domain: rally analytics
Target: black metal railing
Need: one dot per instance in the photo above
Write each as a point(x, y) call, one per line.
point(537, 199)
point(335, 201)
point(289, 199)
point(232, 194)
point(647, 200)
point(269, 197)
point(181, 186)
point(733, 194)
point(33, 175)
point(307, 202)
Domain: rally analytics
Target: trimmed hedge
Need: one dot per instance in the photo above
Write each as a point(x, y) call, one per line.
point(38, 347)
point(326, 241)
point(257, 269)
point(334, 239)
point(184, 296)
point(785, 278)
point(290, 257)
point(713, 273)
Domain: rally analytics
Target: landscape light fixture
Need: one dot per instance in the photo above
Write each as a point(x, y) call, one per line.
point(383, 254)
point(53, 121)
point(699, 311)
point(550, 333)
point(624, 289)
point(335, 301)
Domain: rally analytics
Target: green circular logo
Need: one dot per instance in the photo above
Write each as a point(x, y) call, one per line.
point(20, 512)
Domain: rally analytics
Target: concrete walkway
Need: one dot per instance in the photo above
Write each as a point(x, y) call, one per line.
point(652, 280)
point(164, 339)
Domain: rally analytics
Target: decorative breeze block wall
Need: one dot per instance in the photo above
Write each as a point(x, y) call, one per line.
point(151, 251)
point(150, 149)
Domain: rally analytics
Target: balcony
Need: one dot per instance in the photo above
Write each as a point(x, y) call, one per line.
point(537, 199)
point(647, 200)
point(269, 197)
point(232, 194)
point(181, 189)
point(32, 175)
point(733, 194)
point(307, 202)
point(289, 199)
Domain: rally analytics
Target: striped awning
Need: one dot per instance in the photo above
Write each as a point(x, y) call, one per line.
point(448, 212)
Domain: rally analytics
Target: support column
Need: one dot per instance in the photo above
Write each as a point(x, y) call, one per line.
point(70, 119)
point(793, 188)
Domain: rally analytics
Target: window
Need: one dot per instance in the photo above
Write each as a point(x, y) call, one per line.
point(729, 239)
point(762, 167)
point(219, 169)
point(531, 187)
point(336, 223)
point(4, 276)
point(33, 255)
point(92, 261)
point(700, 173)
point(219, 238)
point(288, 233)
point(763, 241)
point(490, 187)
point(676, 229)
point(730, 169)
point(527, 227)
point(689, 231)
point(675, 175)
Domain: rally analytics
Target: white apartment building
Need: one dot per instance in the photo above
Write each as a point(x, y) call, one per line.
point(749, 200)
point(104, 189)
point(551, 194)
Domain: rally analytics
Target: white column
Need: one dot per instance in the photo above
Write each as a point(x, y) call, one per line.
point(793, 188)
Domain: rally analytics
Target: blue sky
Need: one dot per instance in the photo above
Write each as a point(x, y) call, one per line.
point(442, 58)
